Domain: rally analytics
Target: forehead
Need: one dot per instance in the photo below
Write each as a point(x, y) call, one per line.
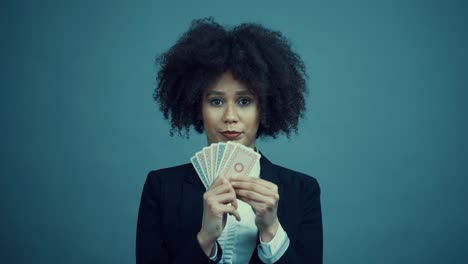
point(226, 84)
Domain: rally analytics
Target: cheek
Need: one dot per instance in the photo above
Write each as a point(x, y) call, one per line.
point(255, 118)
point(209, 118)
point(206, 121)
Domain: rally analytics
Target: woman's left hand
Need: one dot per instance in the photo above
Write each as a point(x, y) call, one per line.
point(263, 197)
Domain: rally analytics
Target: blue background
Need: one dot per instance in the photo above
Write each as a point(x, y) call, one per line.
point(385, 131)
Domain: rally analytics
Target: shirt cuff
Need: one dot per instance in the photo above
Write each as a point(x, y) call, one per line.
point(272, 251)
point(215, 256)
point(215, 252)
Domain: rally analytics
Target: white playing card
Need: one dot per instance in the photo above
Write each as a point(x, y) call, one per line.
point(208, 161)
point(199, 170)
point(228, 149)
point(227, 159)
point(240, 162)
point(201, 159)
point(219, 157)
point(214, 153)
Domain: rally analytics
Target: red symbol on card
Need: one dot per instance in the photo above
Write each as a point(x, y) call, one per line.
point(238, 167)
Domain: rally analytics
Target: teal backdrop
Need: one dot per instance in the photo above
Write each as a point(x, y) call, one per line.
point(385, 131)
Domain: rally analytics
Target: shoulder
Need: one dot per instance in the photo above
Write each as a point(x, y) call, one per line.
point(169, 174)
point(171, 170)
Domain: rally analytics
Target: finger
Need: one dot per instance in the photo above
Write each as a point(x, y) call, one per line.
point(258, 208)
point(219, 181)
point(259, 181)
point(253, 196)
point(236, 214)
point(230, 210)
point(249, 195)
point(223, 188)
point(250, 186)
point(225, 198)
point(226, 192)
point(234, 202)
point(253, 204)
point(261, 210)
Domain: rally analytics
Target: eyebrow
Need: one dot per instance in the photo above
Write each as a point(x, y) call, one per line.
point(214, 92)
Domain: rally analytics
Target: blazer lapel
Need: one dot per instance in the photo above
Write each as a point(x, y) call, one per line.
point(268, 171)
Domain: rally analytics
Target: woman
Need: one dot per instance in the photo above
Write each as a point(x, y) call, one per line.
point(237, 85)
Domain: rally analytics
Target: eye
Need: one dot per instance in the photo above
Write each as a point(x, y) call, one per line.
point(216, 102)
point(245, 101)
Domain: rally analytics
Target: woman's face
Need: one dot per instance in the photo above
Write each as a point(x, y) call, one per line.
point(230, 112)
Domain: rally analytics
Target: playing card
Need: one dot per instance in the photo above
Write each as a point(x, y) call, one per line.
point(201, 159)
point(240, 162)
point(208, 161)
point(227, 159)
point(228, 149)
point(256, 154)
point(214, 153)
point(199, 170)
point(219, 157)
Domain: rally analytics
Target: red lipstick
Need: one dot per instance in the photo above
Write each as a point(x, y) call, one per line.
point(231, 134)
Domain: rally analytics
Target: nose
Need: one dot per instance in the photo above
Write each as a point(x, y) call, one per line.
point(230, 114)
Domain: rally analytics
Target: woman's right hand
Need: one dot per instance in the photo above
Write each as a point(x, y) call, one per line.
point(215, 209)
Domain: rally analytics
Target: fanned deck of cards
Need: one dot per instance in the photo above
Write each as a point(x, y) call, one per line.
point(227, 159)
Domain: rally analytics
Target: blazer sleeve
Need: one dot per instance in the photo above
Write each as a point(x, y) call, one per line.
point(150, 245)
point(307, 245)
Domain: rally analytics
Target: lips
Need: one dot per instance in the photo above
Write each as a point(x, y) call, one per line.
point(231, 134)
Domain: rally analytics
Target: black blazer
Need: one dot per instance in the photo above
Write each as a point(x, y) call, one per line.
point(171, 211)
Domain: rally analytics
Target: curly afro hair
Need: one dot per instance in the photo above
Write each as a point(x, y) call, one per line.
point(260, 58)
